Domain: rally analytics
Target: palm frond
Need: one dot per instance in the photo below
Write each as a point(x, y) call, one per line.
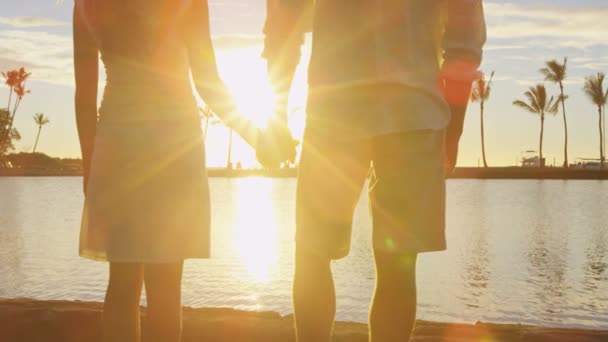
point(488, 89)
point(541, 95)
point(40, 119)
point(532, 96)
point(552, 106)
point(482, 88)
point(522, 104)
point(594, 89)
point(554, 71)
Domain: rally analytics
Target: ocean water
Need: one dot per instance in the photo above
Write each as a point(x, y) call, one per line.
point(533, 252)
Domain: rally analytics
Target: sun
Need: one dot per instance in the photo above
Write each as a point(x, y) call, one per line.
point(245, 75)
point(244, 72)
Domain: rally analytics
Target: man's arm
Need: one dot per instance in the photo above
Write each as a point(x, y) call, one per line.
point(286, 23)
point(86, 72)
point(463, 42)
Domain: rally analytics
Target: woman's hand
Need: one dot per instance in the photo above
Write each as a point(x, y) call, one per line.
point(275, 145)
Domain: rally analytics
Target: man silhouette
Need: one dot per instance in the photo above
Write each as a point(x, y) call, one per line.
point(389, 82)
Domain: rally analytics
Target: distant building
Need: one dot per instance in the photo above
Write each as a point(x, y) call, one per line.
point(533, 162)
point(587, 163)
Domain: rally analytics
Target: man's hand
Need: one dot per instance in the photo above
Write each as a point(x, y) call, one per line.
point(457, 94)
point(452, 139)
point(275, 145)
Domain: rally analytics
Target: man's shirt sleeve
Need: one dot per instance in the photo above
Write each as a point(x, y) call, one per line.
point(465, 35)
point(286, 23)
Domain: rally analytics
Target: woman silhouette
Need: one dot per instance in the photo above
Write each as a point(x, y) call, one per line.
point(147, 197)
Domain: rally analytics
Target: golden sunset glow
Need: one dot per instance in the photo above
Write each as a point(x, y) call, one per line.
point(256, 240)
point(244, 72)
point(246, 77)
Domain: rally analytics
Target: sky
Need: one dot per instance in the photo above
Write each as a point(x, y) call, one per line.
point(522, 35)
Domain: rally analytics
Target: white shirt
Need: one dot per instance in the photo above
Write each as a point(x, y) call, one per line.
point(377, 65)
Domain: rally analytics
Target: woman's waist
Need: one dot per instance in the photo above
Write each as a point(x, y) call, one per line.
point(124, 110)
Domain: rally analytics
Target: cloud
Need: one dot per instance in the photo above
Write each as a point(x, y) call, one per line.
point(47, 55)
point(518, 35)
point(22, 22)
point(559, 26)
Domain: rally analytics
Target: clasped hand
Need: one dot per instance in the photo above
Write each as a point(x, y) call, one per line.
point(275, 145)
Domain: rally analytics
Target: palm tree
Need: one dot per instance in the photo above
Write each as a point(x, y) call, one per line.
point(481, 93)
point(206, 114)
point(40, 120)
point(594, 88)
point(537, 96)
point(13, 134)
point(556, 73)
point(15, 79)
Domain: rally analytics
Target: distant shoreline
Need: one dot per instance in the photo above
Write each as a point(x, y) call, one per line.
point(459, 173)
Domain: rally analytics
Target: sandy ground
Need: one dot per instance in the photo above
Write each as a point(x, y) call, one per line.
point(54, 321)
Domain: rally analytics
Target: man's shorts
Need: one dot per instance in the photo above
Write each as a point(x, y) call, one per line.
point(407, 193)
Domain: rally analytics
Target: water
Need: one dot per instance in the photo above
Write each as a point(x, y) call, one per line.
point(532, 252)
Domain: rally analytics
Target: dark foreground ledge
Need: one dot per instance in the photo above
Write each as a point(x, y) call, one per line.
point(55, 321)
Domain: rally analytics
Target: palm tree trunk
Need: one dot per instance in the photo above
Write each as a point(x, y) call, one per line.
point(37, 137)
point(229, 163)
point(542, 131)
point(10, 97)
point(604, 133)
point(599, 110)
point(483, 142)
point(10, 124)
point(561, 87)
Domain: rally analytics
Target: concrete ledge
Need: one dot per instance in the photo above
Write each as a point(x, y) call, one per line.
point(70, 321)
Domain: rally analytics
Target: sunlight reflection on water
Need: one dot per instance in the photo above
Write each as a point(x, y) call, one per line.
point(519, 251)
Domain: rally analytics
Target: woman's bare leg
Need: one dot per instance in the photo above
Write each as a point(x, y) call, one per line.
point(163, 294)
point(121, 306)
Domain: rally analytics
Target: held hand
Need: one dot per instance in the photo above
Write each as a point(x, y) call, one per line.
point(275, 146)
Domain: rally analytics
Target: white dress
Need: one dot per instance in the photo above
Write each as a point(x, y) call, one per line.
point(148, 196)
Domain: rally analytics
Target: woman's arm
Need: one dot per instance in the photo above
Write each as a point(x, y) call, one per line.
point(86, 66)
point(206, 77)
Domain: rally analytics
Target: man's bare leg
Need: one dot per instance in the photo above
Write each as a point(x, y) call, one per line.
point(393, 311)
point(314, 298)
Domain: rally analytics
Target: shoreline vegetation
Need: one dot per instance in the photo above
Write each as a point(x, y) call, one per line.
point(38, 320)
point(459, 173)
point(41, 165)
point(508, 172)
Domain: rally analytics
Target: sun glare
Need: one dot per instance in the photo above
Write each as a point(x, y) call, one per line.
point(256, 229)
point(245, 74)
